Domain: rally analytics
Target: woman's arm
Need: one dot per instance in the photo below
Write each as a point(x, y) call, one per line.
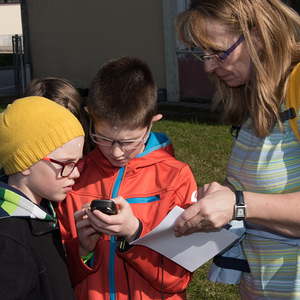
point(278, 212)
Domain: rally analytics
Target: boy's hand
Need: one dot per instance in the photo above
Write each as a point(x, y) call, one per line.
point(123, 224)
point(87, 235)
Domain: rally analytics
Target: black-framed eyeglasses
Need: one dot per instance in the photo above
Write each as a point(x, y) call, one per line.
point(125, 145)
point(67, 167)
point(218, 56)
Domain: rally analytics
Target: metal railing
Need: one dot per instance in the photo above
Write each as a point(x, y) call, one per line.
point(18, 60)
point(14, 77)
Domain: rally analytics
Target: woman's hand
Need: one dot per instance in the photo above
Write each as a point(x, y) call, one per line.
point(213, 210)
point(124, 223)
point(87, 235)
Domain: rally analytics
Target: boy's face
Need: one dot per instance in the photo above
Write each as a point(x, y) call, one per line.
point(119, 145)
point(44, 178)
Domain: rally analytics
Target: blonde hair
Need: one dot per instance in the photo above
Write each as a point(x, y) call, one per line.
point(277, 27)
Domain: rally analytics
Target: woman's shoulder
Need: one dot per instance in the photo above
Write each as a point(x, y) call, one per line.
point(295, 69)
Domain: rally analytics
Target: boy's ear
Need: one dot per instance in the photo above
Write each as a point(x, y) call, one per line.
point(157, 118)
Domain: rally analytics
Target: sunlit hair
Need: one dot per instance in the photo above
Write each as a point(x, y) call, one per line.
point(123, 93)
point(277, 27)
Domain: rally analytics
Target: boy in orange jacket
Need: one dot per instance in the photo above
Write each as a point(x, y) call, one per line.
point(136, 168)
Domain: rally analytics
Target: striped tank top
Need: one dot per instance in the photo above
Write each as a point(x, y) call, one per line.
point(268, 165)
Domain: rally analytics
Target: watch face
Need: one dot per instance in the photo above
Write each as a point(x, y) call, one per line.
point(240, 212)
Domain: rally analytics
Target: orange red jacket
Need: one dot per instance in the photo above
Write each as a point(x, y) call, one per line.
point(153, 183)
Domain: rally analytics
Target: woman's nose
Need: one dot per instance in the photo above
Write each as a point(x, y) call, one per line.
point(210, 65)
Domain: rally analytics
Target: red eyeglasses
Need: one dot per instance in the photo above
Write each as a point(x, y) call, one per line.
point(67, 167)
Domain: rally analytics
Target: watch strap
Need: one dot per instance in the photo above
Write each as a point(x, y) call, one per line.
point(240, 207)
point(239, 198)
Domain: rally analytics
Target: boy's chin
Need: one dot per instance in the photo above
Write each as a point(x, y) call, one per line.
point(119, 163)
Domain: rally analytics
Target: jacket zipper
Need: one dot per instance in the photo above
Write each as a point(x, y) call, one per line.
point(113, 241)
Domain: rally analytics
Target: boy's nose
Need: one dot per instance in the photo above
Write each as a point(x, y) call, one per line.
point(116, 150)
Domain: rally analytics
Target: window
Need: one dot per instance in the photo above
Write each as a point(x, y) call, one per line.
point(9, 1)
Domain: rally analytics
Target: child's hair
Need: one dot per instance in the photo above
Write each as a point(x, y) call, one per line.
point(123, 93)
point(63, 92)
point(57, 89)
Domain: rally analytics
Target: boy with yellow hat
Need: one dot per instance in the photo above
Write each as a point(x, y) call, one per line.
point(41, 146)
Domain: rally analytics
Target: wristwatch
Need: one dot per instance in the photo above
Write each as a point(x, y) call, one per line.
point(239, 207)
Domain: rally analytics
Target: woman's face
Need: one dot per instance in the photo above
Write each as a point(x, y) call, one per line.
point(235, 70)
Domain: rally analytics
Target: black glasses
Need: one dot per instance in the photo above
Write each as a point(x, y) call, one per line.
point(67, 167)
point(219, 56)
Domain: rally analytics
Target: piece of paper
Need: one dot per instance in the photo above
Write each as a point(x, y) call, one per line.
point(189, 251)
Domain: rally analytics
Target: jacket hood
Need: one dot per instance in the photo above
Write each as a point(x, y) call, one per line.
point(14, 203)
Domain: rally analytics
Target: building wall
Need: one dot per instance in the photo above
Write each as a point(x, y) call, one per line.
point(10, 19)
point(73, 38)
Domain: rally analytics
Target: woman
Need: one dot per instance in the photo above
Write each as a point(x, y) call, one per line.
point(250, 49)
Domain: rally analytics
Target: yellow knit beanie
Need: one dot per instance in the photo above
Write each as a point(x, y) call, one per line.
point(30, 129)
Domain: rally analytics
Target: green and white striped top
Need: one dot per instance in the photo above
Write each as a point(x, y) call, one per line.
point(268, 165)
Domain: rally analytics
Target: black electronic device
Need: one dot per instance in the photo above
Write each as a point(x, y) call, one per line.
point(106, 206)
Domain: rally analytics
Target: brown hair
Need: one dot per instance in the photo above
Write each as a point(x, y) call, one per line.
point(277, 27)
point(64, 93)
point(124, 93)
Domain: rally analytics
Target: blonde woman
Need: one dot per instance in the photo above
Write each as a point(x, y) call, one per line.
point(251, 49)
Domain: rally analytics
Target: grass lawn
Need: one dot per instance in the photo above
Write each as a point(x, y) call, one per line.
point(205, 146)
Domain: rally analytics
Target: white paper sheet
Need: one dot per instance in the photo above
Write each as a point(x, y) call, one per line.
point(189, 251)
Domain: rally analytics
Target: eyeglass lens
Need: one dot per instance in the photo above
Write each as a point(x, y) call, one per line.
point(68, 168)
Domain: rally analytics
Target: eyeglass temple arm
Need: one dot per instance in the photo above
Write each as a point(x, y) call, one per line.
point(228, 51)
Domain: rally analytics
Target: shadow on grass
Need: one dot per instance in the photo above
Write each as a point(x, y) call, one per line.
point(5, 100)
point(190, 113)
point(181, 112)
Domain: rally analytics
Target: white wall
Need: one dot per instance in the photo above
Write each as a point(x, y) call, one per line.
point(10, 19)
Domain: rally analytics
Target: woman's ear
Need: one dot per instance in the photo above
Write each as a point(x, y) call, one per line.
point(256, 38)
point(157, 118)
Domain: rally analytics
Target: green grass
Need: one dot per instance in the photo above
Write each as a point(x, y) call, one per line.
point(205, 147)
